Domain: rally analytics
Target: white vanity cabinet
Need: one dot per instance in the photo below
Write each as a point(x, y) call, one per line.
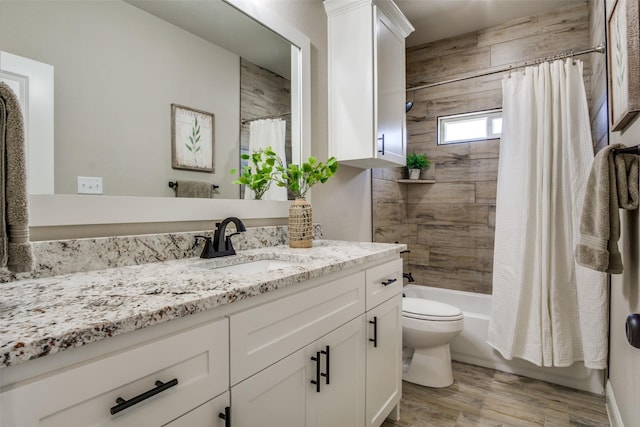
point(178, 372)
point(323, 353)
point(366, 39)
point(384, 347)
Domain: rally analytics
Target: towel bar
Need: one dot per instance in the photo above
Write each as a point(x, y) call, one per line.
point(174, 184)
point(629, 150)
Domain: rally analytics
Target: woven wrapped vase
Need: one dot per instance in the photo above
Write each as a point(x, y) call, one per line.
point(300, 224)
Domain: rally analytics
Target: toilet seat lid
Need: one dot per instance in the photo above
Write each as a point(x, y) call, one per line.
point(419, 308)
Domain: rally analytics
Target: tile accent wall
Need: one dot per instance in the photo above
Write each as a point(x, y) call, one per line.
point(449, 225)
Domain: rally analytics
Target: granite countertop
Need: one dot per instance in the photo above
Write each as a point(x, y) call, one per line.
point(48, 315)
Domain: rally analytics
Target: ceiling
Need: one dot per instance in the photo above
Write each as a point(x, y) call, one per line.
point(432, 19)
point(440, 19)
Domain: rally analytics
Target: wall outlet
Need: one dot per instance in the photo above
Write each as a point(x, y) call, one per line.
point(89, 185)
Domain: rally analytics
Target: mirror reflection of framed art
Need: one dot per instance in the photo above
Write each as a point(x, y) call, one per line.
point(192, 139)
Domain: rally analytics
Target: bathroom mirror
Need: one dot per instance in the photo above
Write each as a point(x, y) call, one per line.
point(134, 108)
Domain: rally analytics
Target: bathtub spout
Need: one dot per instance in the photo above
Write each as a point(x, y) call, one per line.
point(408, 276)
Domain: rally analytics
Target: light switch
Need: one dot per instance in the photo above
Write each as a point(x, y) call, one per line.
point(89, 185)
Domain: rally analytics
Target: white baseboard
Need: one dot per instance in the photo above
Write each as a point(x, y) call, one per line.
point(615, 420)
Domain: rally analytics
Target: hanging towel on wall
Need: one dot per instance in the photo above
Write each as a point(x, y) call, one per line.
point(268, 133)
point(546, 308)
point(612, 185)
point(194, 189)
point(15, 248)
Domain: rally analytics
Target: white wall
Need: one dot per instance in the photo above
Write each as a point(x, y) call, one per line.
point(624, 360)
point(343, 204)
point(136, 65)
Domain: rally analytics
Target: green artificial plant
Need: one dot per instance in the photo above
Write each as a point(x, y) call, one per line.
point(417, 161)
point(299, 179)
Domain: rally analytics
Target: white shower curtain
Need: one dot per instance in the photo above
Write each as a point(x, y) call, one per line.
point(268, 133)
point(546, 308)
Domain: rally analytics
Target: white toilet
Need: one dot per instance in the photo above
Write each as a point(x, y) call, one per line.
point(427, 328)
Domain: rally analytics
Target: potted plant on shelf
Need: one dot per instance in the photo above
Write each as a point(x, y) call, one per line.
point(416, 162)
point(298, 180)
point(256, 175)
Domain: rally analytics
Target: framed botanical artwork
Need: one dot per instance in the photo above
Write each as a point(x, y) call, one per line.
point(624, 62)
point(192, 139)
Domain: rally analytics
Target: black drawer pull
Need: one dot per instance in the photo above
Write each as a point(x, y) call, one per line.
point(124, 404)
point(226, 416)
point(327, 353)
point(381, 139)
point(374, 322)
point(388, 282)
point(317, 380)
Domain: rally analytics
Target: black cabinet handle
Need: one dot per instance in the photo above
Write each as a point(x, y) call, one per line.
point(327, 353)
point(381, 139)
point(317, 380)
point(388, 282)
point(226, 416)
point(374, 340)
point(124, 404)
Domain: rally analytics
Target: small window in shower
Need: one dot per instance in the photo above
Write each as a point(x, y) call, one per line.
point(478, 126)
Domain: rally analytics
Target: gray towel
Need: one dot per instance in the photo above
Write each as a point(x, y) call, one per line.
point(612, 185)
point(197, 189)
point(15, 248)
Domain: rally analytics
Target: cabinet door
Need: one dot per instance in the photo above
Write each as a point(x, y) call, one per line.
point(275, 396)
point(205, 415)
point(384, 360)
point(340, 401)
point(391, 125)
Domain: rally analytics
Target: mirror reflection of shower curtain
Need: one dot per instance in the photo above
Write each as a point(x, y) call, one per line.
point(268, 133)
point(546, 308)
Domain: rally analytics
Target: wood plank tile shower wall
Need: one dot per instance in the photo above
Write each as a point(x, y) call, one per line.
point(449, 226)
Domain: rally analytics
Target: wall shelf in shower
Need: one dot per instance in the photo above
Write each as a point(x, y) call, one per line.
point(417, 181)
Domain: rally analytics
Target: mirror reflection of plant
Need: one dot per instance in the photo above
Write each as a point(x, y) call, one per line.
point(258, 174)
point(194, 140)
point(299, 179)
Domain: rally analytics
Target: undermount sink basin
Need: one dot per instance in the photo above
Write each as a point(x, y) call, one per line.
point(254, 267)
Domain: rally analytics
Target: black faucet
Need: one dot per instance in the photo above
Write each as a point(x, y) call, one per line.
point(221, 245)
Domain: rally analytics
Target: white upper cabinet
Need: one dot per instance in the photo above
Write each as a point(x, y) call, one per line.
point(367, 126)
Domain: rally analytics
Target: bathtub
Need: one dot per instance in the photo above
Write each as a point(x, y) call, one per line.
point(471, 345)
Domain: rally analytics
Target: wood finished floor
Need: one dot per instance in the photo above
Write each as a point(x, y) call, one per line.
point(485, 397)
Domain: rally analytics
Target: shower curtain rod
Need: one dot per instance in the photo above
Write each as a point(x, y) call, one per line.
point(600, 49)
point(243, 121)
